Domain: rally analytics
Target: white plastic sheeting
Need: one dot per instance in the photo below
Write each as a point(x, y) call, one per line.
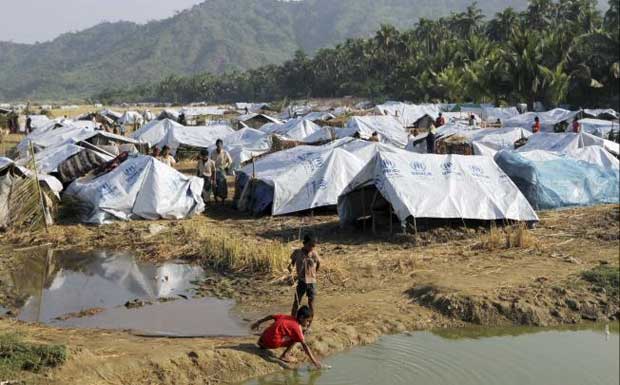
point(489, 141)
point(408, 114)
point(200, 111)
point(155, 131)
point(131, 117)
point(199, 136)
point(295, 129)
point(592, 154)
point(319, 115)
point(438, 186)
point(547, 119)
point(49, 159)
point(38, 121)
point(566, 142)
point(307, 177)
point(56, 134)
point(601, 113)
point(245, 144)
point(491, 114)
point(252, 107)
point(598, 127)
point(140, 188)
point(172, 134)
point(390, 130)
point(245, 118)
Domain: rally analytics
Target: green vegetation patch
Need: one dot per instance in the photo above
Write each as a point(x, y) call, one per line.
point(16, 355)
point(607, 277)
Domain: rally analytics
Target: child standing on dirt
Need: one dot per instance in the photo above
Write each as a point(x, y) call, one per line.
point(285, 332)
point(307, 264)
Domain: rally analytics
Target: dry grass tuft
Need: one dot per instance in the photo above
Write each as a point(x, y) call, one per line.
point(223, 251)
point(517, 236)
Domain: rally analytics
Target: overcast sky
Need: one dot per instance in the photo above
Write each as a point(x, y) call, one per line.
point(27, 21)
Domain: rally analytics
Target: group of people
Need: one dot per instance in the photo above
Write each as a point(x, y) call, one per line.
point(212, 168)
point(288, 330)
point(575, 127)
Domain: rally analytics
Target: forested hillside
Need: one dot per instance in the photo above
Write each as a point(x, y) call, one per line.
point(216, 36)
point(554, 52)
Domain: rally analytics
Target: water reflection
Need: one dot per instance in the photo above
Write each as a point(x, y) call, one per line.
point(58, 284)
point(52, 285)
point(550, 357)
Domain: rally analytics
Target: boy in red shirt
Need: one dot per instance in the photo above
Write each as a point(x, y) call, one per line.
point(285, 332)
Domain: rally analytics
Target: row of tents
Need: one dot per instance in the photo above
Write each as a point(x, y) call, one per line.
point(323, 165)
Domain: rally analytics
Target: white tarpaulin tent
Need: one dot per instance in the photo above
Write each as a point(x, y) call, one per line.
point(599, 127)
point(601, 113)
point(245, 144)
point(319, 115)
point(390, 130)
point(131, 117)
point(436, 186)
point(57, 134)
point(566, 142)
point(306, 177)
point(295, 129)
point(200, 111)
point(251, 107)
point(408, 114)
point(49, 159)
point(196, 137)
point(489, 141)
point(548, 120)
point(172, 134)
point(592, 154)
point(155, 131)
point(491, 114)
point(140, 188)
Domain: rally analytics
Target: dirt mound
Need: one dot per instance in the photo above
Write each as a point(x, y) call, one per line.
point(539, 305)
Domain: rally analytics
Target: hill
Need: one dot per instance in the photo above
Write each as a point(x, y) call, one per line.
point(215, 36)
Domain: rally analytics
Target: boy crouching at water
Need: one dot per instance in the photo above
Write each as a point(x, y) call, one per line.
point(285, 332)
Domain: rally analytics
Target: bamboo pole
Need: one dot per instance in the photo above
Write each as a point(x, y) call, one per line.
point(40, 191)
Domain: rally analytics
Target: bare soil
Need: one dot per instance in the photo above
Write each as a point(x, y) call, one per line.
point(369, 285)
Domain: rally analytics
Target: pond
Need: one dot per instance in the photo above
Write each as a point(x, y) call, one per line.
point(111, 290)
point(507, 357)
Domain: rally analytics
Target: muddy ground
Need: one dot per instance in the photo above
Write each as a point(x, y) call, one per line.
point(370, 285)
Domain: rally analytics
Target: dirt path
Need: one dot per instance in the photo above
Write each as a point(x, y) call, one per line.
point(371, 285)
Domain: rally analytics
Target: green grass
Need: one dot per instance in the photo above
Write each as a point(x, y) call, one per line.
point(607, 277)
point(16, 356)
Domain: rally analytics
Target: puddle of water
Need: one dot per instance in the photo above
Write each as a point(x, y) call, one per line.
point(546, 357)
point(57, 284)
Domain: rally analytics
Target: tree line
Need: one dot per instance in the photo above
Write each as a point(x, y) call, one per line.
point(555, 52)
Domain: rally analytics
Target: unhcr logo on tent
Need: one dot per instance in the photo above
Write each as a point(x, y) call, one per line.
point(312, 163)
point(449, 168)
point(477, 171)
point(389, 169)
point(419, 168)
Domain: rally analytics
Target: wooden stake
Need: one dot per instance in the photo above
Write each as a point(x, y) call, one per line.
point(36, 178)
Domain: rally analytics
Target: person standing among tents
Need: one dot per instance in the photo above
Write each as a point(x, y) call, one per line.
point(536, 126)
point(166, 158)
point(182, 120)
point(223, 162)
point(206, 170)
point(472, 120)
point(576, 126)
point(156, 152)
point(440, 121)
point(28, 125)
point(307, 263)
point(430, 140)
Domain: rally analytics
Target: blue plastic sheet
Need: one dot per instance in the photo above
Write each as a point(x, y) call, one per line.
point(560, 182)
